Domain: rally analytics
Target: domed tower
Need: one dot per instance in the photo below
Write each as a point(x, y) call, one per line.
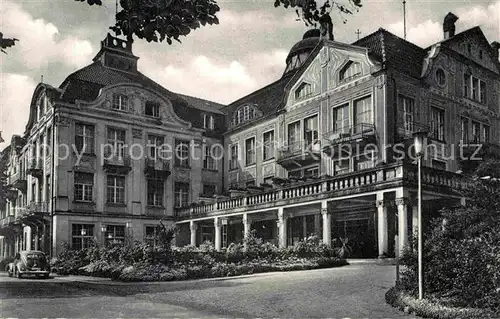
point(301, 50)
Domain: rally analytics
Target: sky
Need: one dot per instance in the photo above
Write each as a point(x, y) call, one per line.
point(222, 63)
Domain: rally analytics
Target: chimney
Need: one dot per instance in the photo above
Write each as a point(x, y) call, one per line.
point(449, 25)
point(495, 46)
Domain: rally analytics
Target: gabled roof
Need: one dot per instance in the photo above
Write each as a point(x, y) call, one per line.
point(267, 99)
point(475, 33)
point(203, 105)
point(86, 83)
point(394, 51)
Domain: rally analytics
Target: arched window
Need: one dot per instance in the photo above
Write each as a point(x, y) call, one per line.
point(303, 91)
point(245, 113)
point(350, 70)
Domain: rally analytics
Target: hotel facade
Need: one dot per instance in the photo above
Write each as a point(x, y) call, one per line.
point(324, 150)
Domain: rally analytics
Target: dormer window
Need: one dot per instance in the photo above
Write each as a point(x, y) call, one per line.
point(244, 114)
point(304, 90)
point(152, 109)
point(208, 122)
point(350, 70)
point(120, 102)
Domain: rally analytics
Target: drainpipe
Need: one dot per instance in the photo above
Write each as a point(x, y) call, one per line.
point(53, 186)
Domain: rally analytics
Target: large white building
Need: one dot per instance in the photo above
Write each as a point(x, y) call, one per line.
point(295, 162)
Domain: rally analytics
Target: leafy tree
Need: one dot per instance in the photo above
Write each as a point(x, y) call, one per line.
point(6, 42)
point(168, 20)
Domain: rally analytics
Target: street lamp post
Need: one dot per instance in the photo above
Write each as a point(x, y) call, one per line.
point(420, 141)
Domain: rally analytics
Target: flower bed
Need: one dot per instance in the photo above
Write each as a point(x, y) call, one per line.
point(433, 308)
point(142, 262)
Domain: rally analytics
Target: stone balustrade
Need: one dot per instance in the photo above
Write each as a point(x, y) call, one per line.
point(327, 187)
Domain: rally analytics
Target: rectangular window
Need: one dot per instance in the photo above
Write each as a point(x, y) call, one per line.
point(475, 88)
point(476, 137)
point(437, 124)
point(182, 153)
point(154, 146)
point(84, 138)
point(209, 190)
point(341, 120)
point(363, 113)
point(181, 195)
point(482, 92)
point(486, 133)
point(84, 185)
point(82, 236)
point(464, 122)
point(114, 234)
point(294, 136)
point(467, 81)
point(152, 109)
point(311, 130)
point(268, 151)
point(120, 102)
point(155, 192)
point(115, 189)
point(116, 141)
point(407, 107)
point(209, 161)
point(250, 151)
point(233, 160)
point(208, 122)
point(151, 236)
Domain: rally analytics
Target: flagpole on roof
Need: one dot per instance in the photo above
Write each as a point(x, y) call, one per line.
point(404, 18)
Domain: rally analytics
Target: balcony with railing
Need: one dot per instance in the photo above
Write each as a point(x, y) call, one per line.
point(299, 154)
point(18, 181)
point(35, 167)
point(359, 134)
point(157, 168)
point(34, 208)
point(116, 163)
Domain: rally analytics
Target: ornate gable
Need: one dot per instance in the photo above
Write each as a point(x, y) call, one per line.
point(133, 100)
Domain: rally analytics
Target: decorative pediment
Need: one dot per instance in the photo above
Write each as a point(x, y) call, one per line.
point(336, 63)
point(136, 101)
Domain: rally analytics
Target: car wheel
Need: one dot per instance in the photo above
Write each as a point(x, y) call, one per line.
point(46, 276)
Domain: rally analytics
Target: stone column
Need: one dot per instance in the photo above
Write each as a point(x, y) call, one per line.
point(193, 226)
point(414, 218)
point(327, 223)
point(218, 233)
point(317, 224)
point(382, 225)
point(402, 204)
point(247, 222)
point(304, 226)
point(282, 226)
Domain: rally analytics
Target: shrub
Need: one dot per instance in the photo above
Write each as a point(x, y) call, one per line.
point(5, 262)
point(461, 253)
point(433, 308)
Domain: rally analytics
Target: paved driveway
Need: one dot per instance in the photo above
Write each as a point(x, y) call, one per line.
point(355, 291)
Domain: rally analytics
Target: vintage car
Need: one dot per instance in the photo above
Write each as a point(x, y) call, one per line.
point(29, 263)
